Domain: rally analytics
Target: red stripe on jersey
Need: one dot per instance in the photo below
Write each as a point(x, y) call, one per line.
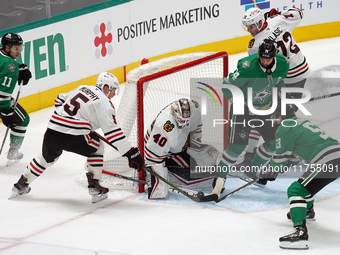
point(95, 160)
point(36, 169)
point(149, 156)
point(70, 122)
point(181, 161)
point(305, 66)
point(255, 134)
point(91, 141)
point(113, 136)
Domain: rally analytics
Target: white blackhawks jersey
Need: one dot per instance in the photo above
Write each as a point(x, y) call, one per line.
point(279, 28)
point(85, 109)
point(164, 138)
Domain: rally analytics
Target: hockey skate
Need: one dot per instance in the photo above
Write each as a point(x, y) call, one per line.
point(20, 188)
point(13, 157)
point(97, 192)
point(310, 214)
point(296, 240)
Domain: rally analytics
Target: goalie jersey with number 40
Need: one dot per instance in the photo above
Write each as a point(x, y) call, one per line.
point(166, 137)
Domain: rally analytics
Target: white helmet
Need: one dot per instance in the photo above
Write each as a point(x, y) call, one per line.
point(108, 79)
point(253, 16)
point(181, 112)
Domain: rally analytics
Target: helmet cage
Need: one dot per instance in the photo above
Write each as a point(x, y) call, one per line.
point(181, 112)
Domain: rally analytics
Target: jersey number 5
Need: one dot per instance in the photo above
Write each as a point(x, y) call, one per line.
point(75, 103)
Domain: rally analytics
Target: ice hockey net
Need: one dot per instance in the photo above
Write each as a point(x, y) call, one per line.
point(152, 86)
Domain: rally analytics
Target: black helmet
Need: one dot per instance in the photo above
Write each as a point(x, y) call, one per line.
point(291, 109)
point(267, 49)
point(11, 39)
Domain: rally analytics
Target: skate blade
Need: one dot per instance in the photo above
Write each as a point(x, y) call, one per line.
point(13, 195)
point(299, 245)
point(99, 197)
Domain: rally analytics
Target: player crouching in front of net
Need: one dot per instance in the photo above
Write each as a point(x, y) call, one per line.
point(76, 115)
point(322, 154)
point(173, 148)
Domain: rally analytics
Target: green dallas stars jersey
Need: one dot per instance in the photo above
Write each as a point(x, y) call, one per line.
point(9, 74)
point(306, 140)
point(250, 73)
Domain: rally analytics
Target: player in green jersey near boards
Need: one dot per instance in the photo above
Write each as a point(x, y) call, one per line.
point(320, 152)
point(10, 73)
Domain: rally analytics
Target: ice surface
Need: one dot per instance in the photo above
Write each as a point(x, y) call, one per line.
point(57, 216)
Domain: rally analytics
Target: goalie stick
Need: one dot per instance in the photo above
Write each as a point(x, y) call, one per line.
point(194, 197)
point(236, 190)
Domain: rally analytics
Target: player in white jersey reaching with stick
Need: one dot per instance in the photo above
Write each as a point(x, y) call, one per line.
point(173, 147)
point(76, 115)
point(277, 26)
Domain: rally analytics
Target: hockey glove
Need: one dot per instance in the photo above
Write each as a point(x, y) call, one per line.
point(272, 13)
point(135, 159)
point(7, 117)
point(24, 74)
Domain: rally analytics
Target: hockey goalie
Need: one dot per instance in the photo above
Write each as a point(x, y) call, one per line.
point(173, 149)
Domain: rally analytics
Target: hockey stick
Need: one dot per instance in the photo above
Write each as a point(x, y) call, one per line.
point(324, 96)
point(236, 190)
point(14, 106)
point(123, 177)
point(197, 197)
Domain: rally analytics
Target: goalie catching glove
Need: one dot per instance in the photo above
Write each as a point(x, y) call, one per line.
point(135, 159)
point(24, 74)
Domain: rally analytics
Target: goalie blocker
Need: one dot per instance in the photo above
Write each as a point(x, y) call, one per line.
point(180, 169)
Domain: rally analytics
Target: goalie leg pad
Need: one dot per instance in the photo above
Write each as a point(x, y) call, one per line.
point(157, 188)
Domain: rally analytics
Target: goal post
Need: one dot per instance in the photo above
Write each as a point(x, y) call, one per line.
point(152, 86)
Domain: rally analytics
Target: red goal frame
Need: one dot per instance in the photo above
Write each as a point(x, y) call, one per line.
point(140, 99)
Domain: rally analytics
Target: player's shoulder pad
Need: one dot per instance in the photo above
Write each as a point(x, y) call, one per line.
point(168, 126)
point(282, 59)
point(246, 62)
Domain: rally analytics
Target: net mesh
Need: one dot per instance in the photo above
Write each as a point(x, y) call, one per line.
point(157, 94)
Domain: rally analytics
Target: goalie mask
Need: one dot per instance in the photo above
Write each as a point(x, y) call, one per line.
point(108, 79)
point(181, 112)
point(252, 16)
